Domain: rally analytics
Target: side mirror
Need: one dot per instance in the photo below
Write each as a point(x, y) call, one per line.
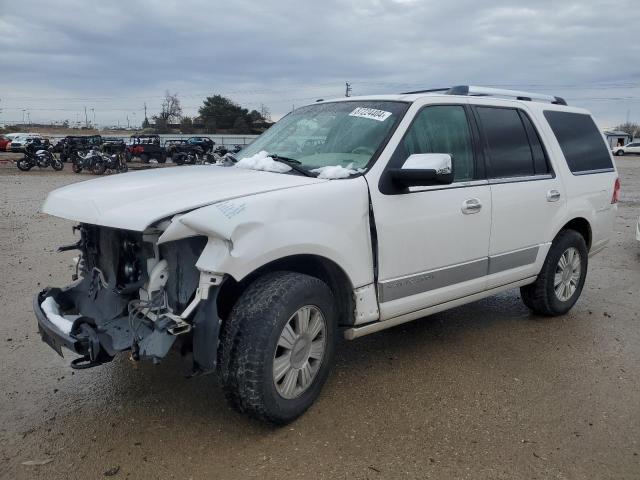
point(422, 169)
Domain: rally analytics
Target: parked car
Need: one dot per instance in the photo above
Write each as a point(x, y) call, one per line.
point(203, 142)
point(4, 141)
point(402, 206)
point(633, 147)
point(19, 142)
point(145, 147)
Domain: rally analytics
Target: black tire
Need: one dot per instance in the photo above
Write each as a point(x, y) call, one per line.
point(24, 165)
point(57, 165)
point(98, 168)
point(620, 153)
point(144, 158)
point(63, 157)
point(178, 159)
point(76, 167)
point(540, 296)
point(162, 158)
point(249, 338)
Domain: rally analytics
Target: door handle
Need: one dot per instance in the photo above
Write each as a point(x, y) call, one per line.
point(553, 196)
point(470, 206)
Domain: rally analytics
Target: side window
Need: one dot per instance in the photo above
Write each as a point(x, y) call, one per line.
point(580, 140)
point(506, 142)
point(440, 129)
point(540, 162)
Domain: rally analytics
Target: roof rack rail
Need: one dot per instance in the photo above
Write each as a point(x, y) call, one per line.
point(492, 92)
point(499, 92)
point(430, 90)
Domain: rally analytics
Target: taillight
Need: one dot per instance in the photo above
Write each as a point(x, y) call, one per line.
point(616, 192)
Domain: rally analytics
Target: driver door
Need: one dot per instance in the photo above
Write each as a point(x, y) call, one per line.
point(433, 241)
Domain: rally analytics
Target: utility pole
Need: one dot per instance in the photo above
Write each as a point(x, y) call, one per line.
point(127, 121)
point(86, 120)
point(93, 110)
point(145, 112)
point(347, 92)
point(23, 110)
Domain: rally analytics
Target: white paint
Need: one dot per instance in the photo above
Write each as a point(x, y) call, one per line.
point(146, 197)
point(52, 310)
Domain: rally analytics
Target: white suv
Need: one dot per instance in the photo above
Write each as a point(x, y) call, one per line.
point(348, 216)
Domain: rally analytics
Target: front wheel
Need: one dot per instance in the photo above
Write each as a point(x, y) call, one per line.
point(562, 277)
point(620, 153)
point(57, 164)
point(277, 346)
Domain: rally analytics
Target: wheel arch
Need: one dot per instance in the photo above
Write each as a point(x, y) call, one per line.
point(310, 264)
point(583, 227)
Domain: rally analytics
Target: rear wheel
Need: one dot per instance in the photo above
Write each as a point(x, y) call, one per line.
point(98, 168)
point(620, 153)
point(562, 277)
point(144, 157)
point(24, 165)
point(277, 346)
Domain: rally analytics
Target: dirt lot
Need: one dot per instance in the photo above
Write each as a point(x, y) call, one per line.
point(483, 391)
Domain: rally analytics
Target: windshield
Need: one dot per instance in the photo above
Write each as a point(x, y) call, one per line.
point(345, 134)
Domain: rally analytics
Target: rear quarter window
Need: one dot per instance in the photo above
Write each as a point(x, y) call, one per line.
point(580, 141)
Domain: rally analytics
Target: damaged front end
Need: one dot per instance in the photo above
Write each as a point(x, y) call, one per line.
point(129, 293)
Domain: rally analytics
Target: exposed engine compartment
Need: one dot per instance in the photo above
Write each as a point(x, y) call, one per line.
point(131, 294)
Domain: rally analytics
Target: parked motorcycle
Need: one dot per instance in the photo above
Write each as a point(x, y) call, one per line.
point(98, 162)
point(189, 158)
point(38, 156)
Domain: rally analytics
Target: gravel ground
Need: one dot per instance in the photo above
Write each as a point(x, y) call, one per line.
point(486, 390)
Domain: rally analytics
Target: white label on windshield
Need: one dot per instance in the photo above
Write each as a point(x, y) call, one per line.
point(372, 113)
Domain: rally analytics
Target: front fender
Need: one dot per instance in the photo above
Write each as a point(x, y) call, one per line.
point(329, 219)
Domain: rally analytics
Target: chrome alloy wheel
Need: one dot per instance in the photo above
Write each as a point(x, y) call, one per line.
point(567, 276)
point(299, 352)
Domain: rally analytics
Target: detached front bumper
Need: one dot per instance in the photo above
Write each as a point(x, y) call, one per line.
point(51, 334)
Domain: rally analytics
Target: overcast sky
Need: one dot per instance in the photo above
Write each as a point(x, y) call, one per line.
point(113, 57)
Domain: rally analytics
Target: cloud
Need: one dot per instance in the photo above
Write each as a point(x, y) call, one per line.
point(115, 56)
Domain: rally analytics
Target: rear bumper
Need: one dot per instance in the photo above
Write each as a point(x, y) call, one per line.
point(50, 334)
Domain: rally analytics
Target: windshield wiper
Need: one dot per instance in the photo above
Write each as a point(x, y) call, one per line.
point(293, 163)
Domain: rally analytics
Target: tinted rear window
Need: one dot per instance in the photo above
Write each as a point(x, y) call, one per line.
point(580, 141)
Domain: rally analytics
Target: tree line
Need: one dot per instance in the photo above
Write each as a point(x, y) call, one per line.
point(217, 114)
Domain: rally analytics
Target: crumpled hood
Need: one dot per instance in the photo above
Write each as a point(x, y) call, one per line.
point(135, 200)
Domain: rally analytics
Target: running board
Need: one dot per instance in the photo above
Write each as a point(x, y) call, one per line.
point(355, 332)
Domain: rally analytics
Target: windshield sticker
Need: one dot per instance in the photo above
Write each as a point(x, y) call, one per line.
point(372, 113)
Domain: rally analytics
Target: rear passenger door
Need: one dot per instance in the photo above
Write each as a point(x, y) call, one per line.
point(525, 193)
